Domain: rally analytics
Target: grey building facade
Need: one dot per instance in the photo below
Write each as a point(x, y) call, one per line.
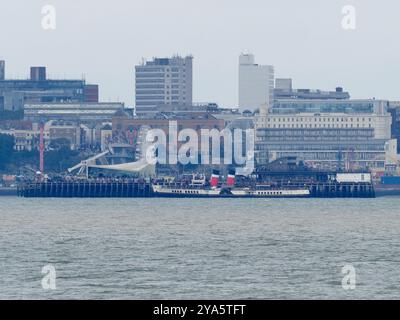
point(284, 90)
point(164, 81)
point(394, 110)
point(2, 69)
point(14, 94)
point(78, 112)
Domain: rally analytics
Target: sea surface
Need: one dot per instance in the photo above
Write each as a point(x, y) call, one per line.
point(199, 248)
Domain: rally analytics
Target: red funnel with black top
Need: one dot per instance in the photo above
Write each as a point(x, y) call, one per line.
point(214, 178)
point(230, 181)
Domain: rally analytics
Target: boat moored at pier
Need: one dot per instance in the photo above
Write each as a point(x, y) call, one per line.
point(198, 188)
point(178, 192)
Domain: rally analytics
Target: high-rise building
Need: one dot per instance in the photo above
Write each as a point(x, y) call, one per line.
point(164, 81)
point(256, 84)
point(2, 69)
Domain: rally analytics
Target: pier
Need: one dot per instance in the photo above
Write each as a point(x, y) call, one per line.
point(342, 190)
point(85, 189)
point(131, 189)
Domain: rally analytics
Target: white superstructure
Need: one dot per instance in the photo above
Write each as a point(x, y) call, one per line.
point(353, 177)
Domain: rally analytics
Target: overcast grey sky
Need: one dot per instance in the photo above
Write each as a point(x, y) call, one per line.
point(303, 39)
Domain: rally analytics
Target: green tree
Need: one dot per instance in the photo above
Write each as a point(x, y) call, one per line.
point(6, 149)
point(60, 144)
point(11, 115)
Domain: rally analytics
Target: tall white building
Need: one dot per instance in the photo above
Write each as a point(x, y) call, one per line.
point(256, 84)
point(164, 81)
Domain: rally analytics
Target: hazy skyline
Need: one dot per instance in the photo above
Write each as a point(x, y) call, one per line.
point(303, 40)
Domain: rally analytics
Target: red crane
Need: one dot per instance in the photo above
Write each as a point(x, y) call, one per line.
point(41, 148)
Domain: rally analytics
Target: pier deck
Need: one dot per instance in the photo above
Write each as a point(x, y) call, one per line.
point(123, 189)
point(85, 189)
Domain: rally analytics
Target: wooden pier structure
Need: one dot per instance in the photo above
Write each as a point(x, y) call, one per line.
point(342, 190)
point(85, 189)
point(123, 189)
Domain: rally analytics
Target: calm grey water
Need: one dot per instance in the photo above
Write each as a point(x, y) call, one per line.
point(185, 248)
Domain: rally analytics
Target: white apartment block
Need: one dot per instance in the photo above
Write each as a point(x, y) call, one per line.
point(256, 84)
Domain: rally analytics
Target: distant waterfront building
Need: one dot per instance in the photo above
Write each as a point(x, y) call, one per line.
point(256, 84)
point(64, 130)
point(283, 84)
point(126, 129)
point(80, 112)
point(394, 110)
point(123, 125)
point(231, 117)
point(26, 137)
point(164, 81)
point(38, 89)
point(284, 90)
point(350, 134)
point(15, 124)
point(2, 69)
point(196, 108)
point(291, 105)
point(91, 93)
point(38, 73)
point(105, 136)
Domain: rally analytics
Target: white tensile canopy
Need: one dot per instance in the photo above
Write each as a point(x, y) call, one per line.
point(142, 168)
